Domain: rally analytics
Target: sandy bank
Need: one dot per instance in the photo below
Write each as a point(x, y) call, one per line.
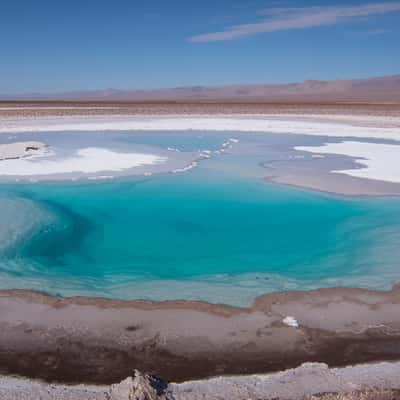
point(307, 380)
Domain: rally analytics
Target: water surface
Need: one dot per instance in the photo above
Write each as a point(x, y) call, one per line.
point(217, 233)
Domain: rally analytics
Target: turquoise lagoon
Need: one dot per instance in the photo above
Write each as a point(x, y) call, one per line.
point(209, 234)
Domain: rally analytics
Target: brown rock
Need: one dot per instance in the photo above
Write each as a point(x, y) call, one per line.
point(140, 387)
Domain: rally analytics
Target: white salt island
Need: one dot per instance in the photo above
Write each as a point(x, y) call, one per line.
point(18, 150)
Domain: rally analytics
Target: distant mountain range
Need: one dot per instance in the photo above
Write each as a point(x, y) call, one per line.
point(381, 89)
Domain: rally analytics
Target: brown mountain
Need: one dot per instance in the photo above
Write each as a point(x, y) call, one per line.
point(381, 89)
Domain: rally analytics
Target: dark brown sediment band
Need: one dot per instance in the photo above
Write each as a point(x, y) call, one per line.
point(102, 341)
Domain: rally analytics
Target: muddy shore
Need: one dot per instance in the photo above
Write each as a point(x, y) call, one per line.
point(100, 341)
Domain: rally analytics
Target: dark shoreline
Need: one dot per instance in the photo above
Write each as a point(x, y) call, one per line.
point(75, 340)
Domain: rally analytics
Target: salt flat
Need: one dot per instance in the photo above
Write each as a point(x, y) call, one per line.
point(256, 123)
point(87, 160)
point(376, 160)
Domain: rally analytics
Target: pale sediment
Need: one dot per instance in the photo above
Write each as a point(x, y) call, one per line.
point(376, 161)
point(307, 176)
point(310, 379)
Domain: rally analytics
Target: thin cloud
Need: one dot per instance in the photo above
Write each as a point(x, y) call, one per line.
point(280, 19)
point(377, 32)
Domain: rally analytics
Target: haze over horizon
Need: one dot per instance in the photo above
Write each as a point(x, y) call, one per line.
point(56, 47)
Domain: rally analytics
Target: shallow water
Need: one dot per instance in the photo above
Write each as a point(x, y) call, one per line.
point(217, 233)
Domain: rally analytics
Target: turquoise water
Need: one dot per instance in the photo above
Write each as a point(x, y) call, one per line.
point(218, 233)
point(198, 235)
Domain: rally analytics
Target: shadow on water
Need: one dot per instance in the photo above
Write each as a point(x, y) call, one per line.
point(48, 244)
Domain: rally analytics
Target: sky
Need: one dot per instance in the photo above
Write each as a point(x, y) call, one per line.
point(66, 45)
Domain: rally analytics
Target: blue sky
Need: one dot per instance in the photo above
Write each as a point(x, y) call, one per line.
point(62, 45)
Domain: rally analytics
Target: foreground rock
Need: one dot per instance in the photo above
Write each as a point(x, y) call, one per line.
point(140, 387)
